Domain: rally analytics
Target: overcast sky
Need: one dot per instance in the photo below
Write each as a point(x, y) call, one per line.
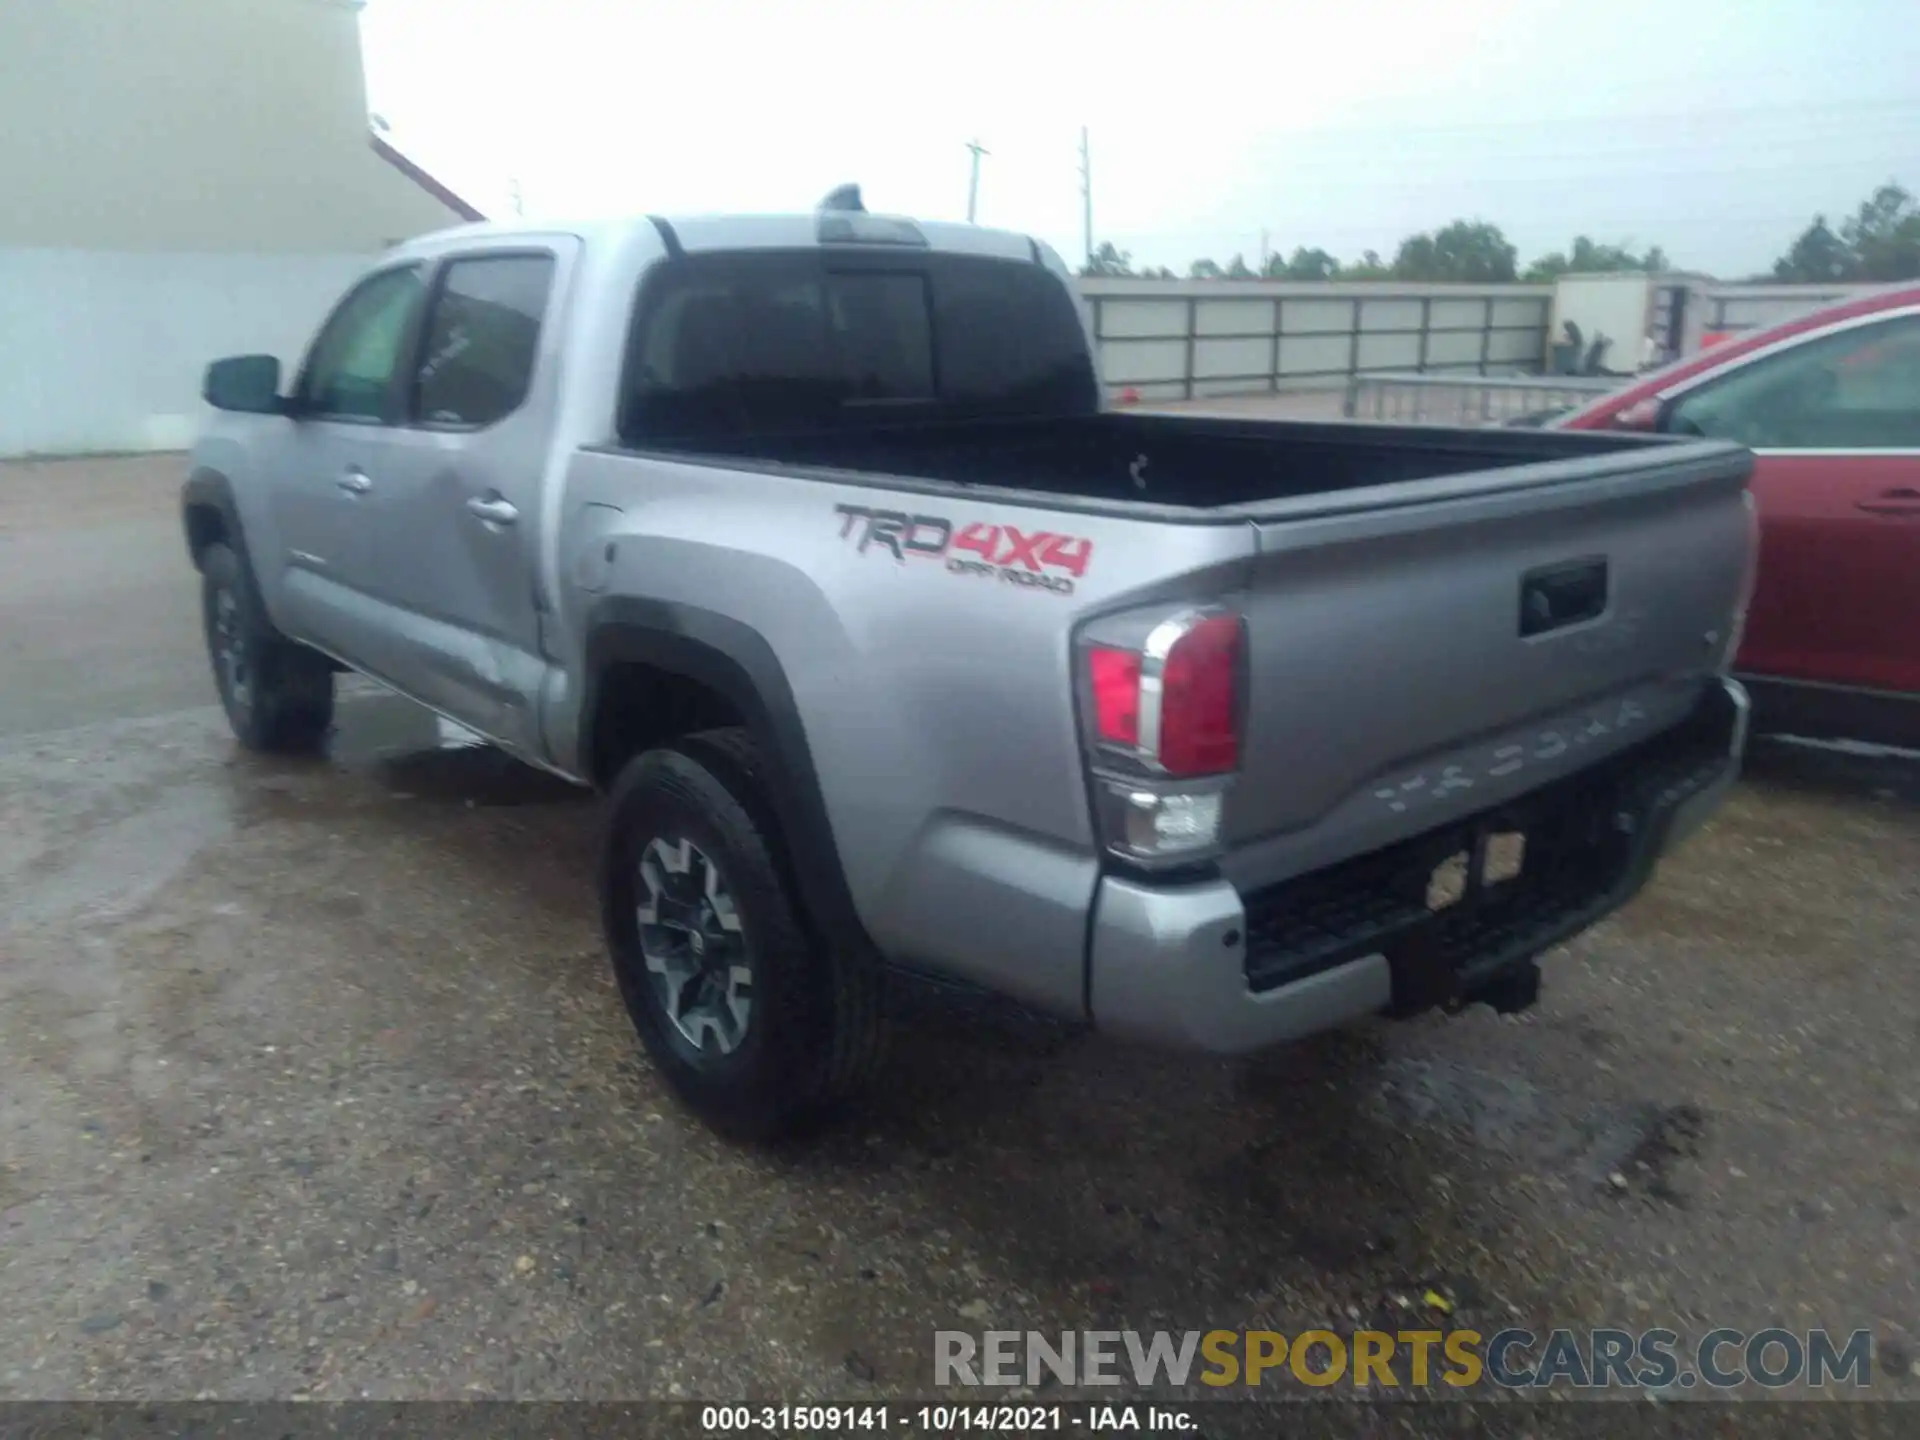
point(1715, 128)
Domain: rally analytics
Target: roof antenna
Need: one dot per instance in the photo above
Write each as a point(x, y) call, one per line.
point(843, 197)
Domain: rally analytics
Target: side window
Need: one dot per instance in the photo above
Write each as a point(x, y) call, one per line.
point(1857, 390)
point(481, 337)
point(350, 369)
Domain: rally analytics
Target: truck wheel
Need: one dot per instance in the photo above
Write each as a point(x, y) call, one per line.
point(278, 695)
point(755, 1024)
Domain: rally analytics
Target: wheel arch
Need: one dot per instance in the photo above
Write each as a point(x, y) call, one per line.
point(208, 514)
point(730, 660)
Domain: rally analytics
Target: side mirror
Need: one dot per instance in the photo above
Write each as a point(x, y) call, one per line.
point(249, 384)
point(1642, 416)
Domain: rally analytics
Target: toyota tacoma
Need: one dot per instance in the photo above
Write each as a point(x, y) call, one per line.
point(810, 542)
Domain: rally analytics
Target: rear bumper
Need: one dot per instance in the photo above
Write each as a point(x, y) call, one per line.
point(1204, 967)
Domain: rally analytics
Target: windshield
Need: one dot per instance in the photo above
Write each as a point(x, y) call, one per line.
point(803, 340)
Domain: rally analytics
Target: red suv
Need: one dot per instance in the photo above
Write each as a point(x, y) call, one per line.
point(1830, 406)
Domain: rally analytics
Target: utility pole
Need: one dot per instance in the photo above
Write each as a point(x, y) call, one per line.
point(1086, 192)
point(973, 181)
point(1264, 252)
point(515, 198)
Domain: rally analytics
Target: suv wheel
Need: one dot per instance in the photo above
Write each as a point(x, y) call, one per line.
point(278, 695)
point(754, 1024)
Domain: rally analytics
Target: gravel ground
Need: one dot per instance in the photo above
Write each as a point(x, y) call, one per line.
point(317, 1085)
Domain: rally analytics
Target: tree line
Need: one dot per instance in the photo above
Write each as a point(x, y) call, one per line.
point(1879, 242)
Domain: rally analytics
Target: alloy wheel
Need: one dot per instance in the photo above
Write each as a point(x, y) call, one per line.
point(695, 950)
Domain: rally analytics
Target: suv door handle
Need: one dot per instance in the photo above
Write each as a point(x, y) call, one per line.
point(1904, 501)
point(494, 512)
point(355, 482)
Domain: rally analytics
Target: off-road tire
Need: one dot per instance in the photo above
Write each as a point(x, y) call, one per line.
point(278, 694)
point(815, 1030)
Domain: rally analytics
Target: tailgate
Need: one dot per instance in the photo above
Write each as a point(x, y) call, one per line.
point(1413, 659)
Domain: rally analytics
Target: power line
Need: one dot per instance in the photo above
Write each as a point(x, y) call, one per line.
point(1402, 130)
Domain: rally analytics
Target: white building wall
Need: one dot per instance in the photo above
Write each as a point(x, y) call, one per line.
point(184, 179)
point(104, 350)
point(194, 125)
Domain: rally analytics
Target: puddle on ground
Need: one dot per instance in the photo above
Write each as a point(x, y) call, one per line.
point(413, 753)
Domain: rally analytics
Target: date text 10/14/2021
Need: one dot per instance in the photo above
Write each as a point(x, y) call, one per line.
point(945, 1419)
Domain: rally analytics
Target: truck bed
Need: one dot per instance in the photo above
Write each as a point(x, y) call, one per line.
point(1459, 615)
point(1187, 462)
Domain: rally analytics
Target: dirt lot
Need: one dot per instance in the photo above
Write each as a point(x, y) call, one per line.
point(316, 1083)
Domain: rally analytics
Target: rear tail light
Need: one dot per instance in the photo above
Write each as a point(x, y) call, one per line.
point(1164, 725)
point(1115, 676)
point(1199, 685)
point(1154, 824)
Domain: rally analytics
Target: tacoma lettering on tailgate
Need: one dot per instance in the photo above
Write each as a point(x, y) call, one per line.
point(1033, 559)
point(1402, 793)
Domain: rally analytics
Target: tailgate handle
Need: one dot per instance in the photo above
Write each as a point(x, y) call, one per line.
point(1556, 596)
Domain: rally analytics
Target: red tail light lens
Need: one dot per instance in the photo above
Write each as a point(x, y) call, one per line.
point(1116, 694)
point(1199, 689)
point(1176, 705)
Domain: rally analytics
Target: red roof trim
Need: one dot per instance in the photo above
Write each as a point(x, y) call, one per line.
point(421, 178)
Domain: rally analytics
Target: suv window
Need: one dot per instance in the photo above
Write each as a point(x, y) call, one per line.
point(350, 369)
point(1856, 390)
point(482, 333)
point(740, 344)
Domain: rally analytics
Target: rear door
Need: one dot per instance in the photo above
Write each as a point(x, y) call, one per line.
point(455, 543)
point(1834, 424)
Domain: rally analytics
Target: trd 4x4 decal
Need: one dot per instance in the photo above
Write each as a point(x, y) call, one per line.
point(1036, 559)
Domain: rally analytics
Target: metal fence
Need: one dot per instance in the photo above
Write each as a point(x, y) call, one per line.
point(1182, 340)
point(1470, 399)
point(1198, 339)
point(1734, 308)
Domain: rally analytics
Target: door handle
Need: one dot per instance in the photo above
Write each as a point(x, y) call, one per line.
point(1903, 501)
point(355, 482)
point(494, 512)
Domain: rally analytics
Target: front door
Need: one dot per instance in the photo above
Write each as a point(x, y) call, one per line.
point(325, 464)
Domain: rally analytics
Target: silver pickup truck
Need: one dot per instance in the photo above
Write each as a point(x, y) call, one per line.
point(809, 541)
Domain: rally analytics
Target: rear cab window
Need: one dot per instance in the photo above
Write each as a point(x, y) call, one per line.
point(762, 343)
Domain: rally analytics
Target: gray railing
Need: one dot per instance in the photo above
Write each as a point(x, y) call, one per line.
point(1470, 399)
